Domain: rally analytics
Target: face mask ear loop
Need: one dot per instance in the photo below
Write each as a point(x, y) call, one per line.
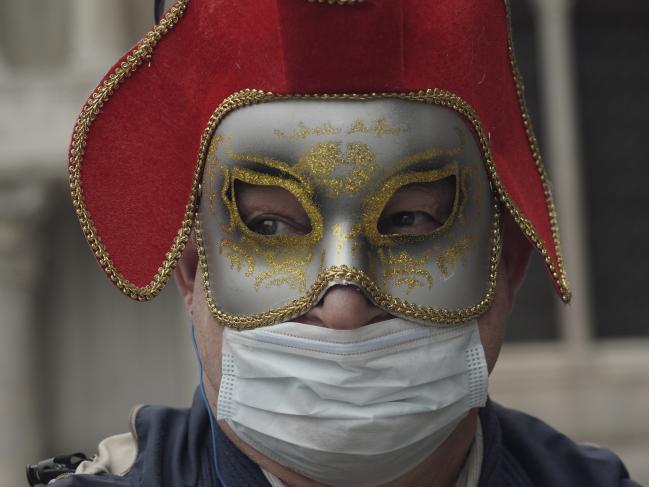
point(209, 410)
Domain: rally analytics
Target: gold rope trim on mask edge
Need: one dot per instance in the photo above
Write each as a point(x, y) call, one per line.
point(347, 274)
point(557, 271)
point(89, 113)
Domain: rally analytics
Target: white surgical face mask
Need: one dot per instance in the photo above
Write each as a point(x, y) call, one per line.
point(350, 407)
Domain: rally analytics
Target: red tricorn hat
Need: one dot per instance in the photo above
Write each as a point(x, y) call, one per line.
point(138, 146)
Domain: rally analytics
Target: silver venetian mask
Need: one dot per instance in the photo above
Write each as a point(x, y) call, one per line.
point(344, 163)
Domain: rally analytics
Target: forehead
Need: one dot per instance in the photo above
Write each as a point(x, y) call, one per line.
point(392, 127)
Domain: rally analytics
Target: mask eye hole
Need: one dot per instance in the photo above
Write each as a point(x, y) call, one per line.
point(270, 210)
point(419, 208)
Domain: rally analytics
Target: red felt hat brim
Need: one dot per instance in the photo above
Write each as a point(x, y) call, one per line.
point(137, 150)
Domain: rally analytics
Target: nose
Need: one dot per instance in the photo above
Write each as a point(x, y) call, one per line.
point(344, 308)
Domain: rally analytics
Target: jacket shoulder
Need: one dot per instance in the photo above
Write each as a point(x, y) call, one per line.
point(552, 459)
point(110, 466)
point(163, 447)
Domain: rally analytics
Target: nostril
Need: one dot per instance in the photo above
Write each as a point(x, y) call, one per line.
point(352, 287)
point(344, 306)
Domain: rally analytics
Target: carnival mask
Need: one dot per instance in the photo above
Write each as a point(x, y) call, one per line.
point(384, 193)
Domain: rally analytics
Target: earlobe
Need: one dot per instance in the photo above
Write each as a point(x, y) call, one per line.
point(515, 254)
point(185, 275)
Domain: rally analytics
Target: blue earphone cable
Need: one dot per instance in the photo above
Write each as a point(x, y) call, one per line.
point(209, 410)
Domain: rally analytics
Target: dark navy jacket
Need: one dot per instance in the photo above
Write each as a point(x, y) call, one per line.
point(174, 450)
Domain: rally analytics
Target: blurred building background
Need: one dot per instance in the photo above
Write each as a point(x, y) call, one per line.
point(75, 354)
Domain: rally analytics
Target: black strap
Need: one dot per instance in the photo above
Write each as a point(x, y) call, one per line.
point(159, 10)
point(46, 470)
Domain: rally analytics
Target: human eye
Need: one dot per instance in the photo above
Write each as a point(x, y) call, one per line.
point(418, 208)
point(270, 225)
point(271, 210)
point(408, 222)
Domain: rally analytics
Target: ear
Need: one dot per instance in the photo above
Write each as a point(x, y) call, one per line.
point(185, 275)
point(515, 253)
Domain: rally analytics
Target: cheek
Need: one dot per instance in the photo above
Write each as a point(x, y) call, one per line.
point(492, 323)
point(209, 335)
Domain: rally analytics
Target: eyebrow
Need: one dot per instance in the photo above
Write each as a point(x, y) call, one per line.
point(432, 153)
point(266, 162)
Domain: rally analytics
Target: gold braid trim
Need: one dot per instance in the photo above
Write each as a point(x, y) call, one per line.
point(89, 113)
point(558, 271)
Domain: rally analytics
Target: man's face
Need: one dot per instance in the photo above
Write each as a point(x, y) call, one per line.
point(415, 209)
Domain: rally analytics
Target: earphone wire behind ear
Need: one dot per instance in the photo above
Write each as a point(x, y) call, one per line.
point(199, 364)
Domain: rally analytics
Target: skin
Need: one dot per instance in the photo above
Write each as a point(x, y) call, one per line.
point(414, 209)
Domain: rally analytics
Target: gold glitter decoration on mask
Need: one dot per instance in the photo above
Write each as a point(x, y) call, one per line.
point(303, 131)
point(454, 253)
point(378, 127)
point(268, 162)
point(284, 266)
point(299, 192)
point(403, 264)
point(323, 160)
point(226, 197)
point(374, 204)
point(410, 283)
point(352, 236)
point(237, 256)
point(284, 272)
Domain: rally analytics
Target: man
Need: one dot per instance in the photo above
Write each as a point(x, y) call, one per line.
point(353, 232)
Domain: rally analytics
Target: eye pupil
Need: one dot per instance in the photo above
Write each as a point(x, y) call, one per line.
point(266, 227)
point(404, 219)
